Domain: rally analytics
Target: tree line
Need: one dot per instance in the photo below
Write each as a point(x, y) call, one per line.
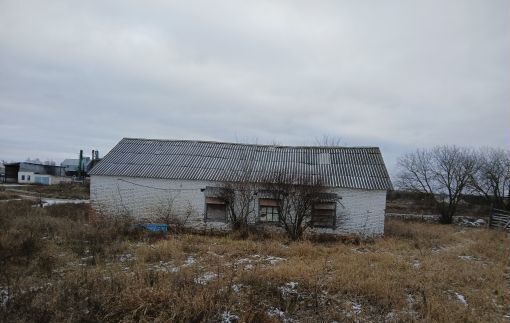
point(447, 173)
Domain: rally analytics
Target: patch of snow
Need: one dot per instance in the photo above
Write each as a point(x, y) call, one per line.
point(237, 287)
point(461, 298)
point(356, 308)
point(411, 299)
point(242, 261)
point(275, 311)
point(480, 222)
point(127, 257)
point(5, 296)
point(164, 267)
point(189, 261)
point(228, 317)
point(205, 278)
point(437, 249)
point(467, 258)
point(248, 267)
point(51, 201)
point(289, 289)
point(391, 316)
point(471, 222)
point(416, 264)
point(273, 260)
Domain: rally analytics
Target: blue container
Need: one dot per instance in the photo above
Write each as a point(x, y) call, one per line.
point(154, 227)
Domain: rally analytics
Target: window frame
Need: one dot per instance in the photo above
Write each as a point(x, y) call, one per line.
point(215, 201)
point(333, 209)
point(269, 204)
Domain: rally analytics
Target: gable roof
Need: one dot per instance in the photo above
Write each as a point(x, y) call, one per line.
point(350, 167)
point(74, 162)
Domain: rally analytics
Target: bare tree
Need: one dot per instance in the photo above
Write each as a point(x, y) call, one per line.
point(329, 141)
point(295, 196)
point(492, 175)
point(239, 195)
point(443, 172)
point(239, 198)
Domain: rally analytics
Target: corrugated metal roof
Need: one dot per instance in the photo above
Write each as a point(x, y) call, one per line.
point(351, 167)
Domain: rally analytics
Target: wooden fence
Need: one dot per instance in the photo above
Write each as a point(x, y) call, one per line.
point(500, 219)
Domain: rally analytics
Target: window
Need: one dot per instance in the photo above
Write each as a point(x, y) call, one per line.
point(269, 210)
point(324, 215)
point(28, 177)
point(22, 177)
point(215, 210)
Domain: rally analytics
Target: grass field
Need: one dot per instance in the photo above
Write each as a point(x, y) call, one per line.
point(63, 190)
point(54, 266)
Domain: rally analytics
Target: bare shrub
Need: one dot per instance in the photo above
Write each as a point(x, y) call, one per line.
point(240, 200)
point(491, 177)
point(442, 172)
point(295, 196)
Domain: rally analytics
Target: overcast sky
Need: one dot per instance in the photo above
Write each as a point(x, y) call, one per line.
point(394, 74)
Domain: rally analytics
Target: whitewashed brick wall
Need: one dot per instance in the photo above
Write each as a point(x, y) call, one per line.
point(359, 211)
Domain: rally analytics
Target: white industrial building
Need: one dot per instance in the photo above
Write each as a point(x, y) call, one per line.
point(146, 179)
point(33, 173)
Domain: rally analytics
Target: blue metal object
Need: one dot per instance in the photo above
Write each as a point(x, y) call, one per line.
point(154, 227)
point(44, 180)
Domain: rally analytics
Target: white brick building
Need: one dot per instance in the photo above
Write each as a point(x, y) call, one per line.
point(146, 179)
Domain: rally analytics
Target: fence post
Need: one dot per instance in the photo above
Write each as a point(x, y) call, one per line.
point(490, 216)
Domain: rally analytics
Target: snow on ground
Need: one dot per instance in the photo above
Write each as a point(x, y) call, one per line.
point(461, 298)
point(356, 308)
point(5, 296)
point(52, 201)
point(205, 278)
point(237, 287)
point(228, 317)
point(189, 261)
point(163, 267)
point(125, 257)
point(276, 312)
point(249, 262)
point(289, 289)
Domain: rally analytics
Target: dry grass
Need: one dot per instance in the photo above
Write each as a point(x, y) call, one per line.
point(55, 266)
point(62, 190)
point(6, 195)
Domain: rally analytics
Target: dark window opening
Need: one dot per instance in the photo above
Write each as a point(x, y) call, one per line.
point(215, 210)
point(22, 177)
point(324, 215)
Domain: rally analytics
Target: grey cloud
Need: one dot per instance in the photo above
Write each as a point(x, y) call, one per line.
point(396, 74)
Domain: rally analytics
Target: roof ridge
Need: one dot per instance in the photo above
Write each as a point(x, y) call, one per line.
point(246, 144)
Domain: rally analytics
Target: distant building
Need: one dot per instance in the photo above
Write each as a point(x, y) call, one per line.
point(140, 176)
point(71, 166)
point(31, 173)
point(2, 173)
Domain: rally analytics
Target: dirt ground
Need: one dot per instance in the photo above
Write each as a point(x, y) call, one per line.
point(55, 266)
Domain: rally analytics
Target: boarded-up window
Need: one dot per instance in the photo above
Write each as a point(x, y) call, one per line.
point(324, 215)
point(216, 210)
point(269, 210)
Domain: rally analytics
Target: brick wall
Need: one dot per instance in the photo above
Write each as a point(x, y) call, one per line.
point(359, 211)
